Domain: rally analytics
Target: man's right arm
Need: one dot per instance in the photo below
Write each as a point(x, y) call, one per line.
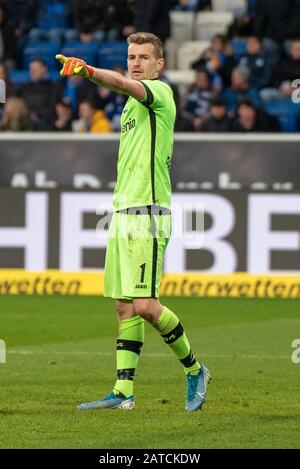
point(118, 83)
point(101, 77)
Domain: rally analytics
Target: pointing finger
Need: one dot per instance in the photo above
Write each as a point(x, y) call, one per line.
point(61, 58)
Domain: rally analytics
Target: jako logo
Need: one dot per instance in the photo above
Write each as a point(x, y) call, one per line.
point(296, 93)
point(296, 353)
point(2, 92)
point(128, 126)
point(2, 351)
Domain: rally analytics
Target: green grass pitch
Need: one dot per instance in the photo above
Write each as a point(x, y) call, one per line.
point(60, 352)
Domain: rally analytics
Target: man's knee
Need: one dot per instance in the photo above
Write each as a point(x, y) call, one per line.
point(124, 309)
point(148, 308)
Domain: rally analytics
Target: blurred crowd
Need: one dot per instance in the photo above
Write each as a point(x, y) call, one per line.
point(234, 90)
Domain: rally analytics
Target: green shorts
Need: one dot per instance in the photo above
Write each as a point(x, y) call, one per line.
point(135, 252)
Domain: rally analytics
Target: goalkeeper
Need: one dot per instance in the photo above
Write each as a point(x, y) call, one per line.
point(141, 224)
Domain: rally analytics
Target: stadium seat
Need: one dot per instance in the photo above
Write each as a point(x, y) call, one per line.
point(189, 52)
point(182, 79)
point(19, 77)
point(209, 23)
point(113, 54)
point(287, 112)
point(182, 25)
point(45, 51)
point(170, 49)
point(41, 42)
point(82, 50)
point(237, 7)
point(239, 47)
point(54, 75)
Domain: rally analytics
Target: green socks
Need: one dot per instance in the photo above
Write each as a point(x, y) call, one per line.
point(173, 334)
point(129, 344)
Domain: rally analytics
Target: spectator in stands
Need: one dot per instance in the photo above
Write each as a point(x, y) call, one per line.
point(289, 69)
point(218, 121)
point(198, 99)
point(163, 76)
point(129, 28)
point(218, 60)
point(7, 40)
point(10, 89)
point(182, 122)
point(153, 16)
point(242, 26)
point(23, 16)
point(250, 119)
point(77, 89)
point(192, 5)
point(89, 20)
point(40, 95)
point(256, 62)
point(239, 90)
point(112, 103)
point(91, 119)
point(119, 17)
point(276, 21)
point(15, 116)
point(64, 113)
point(53, 18)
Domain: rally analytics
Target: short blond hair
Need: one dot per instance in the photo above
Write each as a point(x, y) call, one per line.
point(146, 38)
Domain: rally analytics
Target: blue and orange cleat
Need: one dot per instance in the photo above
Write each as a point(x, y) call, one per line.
point(110, 401)
point(196, 389)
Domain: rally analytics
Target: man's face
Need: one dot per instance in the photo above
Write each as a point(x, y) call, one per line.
point(142, 62)
point(202, 80)
point(37, 70)
point(237, 79)
point(86, 111)
point(295, 50)
point(218, 111)
point(247, 113)
point(253, 45)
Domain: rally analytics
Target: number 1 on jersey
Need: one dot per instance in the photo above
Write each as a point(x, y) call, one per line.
point(143, 267)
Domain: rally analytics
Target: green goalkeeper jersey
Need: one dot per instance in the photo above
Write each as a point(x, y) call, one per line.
point(146, 147)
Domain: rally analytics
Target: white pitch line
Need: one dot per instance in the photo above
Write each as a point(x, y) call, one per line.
point(108, 354)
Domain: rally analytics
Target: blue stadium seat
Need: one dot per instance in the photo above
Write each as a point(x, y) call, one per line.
point(54, 75)
point(45, 51)
point(112, 54)
point(82, 50)
point(287, 112)
point(239, 47)
point(41, 42)
point(19, 77)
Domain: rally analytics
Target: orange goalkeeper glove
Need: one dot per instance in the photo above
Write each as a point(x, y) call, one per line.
point(74, 67)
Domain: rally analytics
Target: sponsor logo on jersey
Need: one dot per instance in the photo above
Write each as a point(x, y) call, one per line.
point(140, 285)
point(129, 125)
